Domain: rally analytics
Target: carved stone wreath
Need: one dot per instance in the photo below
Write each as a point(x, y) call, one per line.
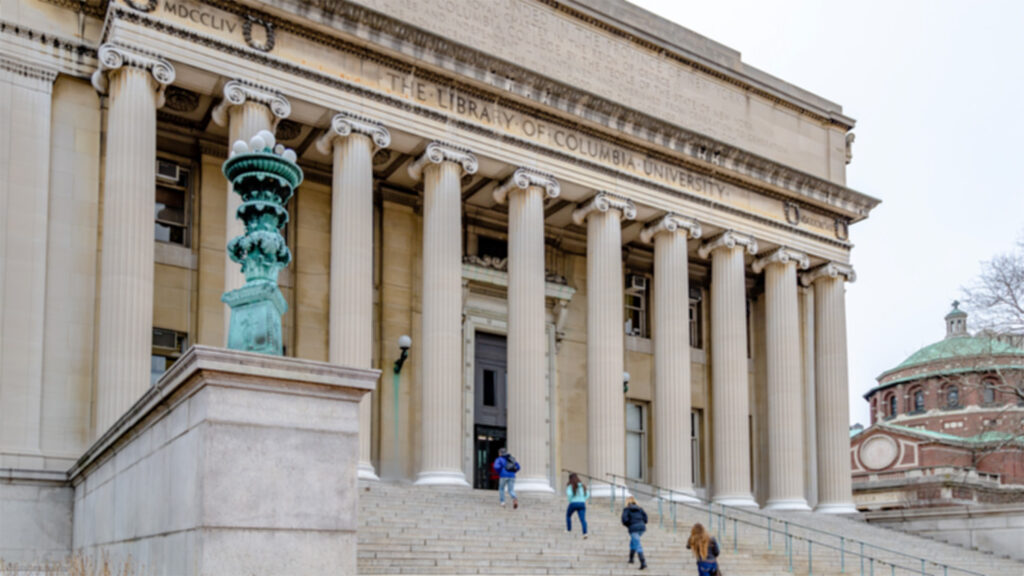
point(266, 46)
point(180, 100)
point(149, 6)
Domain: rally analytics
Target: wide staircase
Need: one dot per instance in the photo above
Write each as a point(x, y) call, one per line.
point(411, 530)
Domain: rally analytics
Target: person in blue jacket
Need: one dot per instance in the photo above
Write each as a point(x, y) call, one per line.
point(635, 520)
point(507, 467)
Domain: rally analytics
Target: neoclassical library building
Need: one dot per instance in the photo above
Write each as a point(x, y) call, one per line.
point(613, 247)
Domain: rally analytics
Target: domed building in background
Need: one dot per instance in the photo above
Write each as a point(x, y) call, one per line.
point(947, 426)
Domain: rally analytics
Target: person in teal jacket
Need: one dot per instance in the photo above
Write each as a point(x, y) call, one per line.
point(578, 496)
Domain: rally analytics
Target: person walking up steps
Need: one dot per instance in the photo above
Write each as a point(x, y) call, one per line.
point(578, 496)
point(507, 467)
point(705, 549)
point(635, 520)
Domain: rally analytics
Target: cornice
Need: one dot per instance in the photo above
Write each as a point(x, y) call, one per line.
point(603, 202)
point(728, 239)
point(113, 57)
point(438, 152)
point(782, 255)
point(45, 50)
point(346, 123)
point(701, 153)
point(238, 92)
point(15, 66)
point(829, 270)
point(671, 223)
point(525, 178)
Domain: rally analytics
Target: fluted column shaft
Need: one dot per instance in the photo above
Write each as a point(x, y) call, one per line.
point(835, 494)
point(440, 441)
point(350, 325)
point(729, 386)
point(244, 121)
point(527, 411)
point(784, 385)
point(126, 281)
point(672, 456)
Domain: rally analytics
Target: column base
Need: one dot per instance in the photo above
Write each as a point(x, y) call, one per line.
point(441, 478)
point(605, 491)
point(534, 485)
point(366, 472)
point(836, 508)
point(744, 501)
point(679, 496)
point(790, 505)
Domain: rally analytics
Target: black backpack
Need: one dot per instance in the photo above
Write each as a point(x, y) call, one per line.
point(510, 463)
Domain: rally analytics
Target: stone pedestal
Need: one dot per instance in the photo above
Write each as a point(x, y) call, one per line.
point(730, 396)
point(606, 411)
point(234, 463)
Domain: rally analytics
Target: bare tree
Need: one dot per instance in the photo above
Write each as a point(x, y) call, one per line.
point(996, 298)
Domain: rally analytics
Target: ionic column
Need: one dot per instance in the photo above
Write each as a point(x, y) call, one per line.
point(730, 403)
point(784, 379)
point(526, 191)
point(246, 109)
point(606, 417)
point(672, 353)
point(135, 83)
point(441, 168)
point(351, 141)
point(835, 494)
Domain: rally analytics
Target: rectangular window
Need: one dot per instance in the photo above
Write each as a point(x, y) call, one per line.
point(490, 390)
point(636, 440)
point(696, 319)
point(636, 306)
point(168, 346)
point(171, 210)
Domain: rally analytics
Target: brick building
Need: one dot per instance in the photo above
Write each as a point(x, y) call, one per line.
point(947, 426)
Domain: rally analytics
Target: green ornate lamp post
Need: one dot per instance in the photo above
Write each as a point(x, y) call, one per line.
point(265, 176)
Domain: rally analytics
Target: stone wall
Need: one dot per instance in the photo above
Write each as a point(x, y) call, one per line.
point(999, 530)
point(35, 517)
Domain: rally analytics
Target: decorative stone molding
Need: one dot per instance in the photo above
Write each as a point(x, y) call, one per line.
point(113, 57)
point(268, 26)
point(238, 92)
point(288, 130)
point(524, 178)
point(149, 6)
point(180, 100)
point(346, 123)
point(831, 270)
point(438, 152)
point(604, 202)
point(781, 255)
point(27, 70)
point(728, 239)
point(671, 223)
point(486, 261)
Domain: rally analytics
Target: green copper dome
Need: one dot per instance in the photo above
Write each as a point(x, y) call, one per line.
point(958, 347)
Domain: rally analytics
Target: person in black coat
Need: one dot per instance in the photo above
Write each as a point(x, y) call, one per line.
point(635, 520)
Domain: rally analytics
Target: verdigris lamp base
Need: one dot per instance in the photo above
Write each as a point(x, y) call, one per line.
point(256, 311)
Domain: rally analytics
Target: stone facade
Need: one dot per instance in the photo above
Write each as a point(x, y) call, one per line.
point(457, 184)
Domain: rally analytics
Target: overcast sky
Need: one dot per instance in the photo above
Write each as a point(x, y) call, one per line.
point(936, 89)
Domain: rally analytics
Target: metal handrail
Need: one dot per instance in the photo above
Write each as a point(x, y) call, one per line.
point(844, 547)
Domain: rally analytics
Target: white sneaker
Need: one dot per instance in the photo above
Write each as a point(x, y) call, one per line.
point(502, 504)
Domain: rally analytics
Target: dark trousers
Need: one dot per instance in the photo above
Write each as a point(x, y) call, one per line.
point(580, 508)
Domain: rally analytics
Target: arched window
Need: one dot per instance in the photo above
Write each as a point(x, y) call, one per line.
point(988, 393)
point(952, 397)
point(919, 400)
point(892, 406)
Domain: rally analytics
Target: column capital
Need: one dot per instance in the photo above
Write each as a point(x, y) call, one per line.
point(829, 270)
point(238, 92)
point(671, 222)
point(728, 239)
point(438, 152)
point(603, 202)
point(781, 255)
point(525, 178)
point(112, 57)
point(345, 123)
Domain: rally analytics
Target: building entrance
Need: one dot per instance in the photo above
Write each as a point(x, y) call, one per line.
point(489, 407)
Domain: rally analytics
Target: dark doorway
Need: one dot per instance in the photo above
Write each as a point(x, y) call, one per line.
point(489, 406)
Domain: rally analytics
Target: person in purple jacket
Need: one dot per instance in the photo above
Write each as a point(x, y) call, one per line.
point(507, 467)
